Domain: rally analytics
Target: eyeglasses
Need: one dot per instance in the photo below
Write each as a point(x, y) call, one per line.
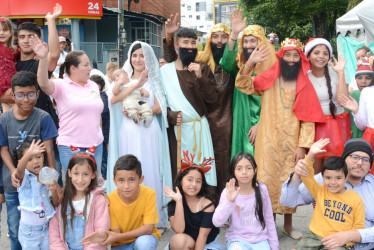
point(356, 158)
point(21, 96)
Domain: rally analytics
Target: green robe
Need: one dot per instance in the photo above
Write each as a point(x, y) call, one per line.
point(356, 132)
point(246, 108)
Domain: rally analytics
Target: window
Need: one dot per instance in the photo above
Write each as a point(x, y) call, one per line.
point(197, 17)
point(183, 5)
point(183, 16)
point(190, 16)
point(202, 26)
point(208, 17)
point(188, 7)
point(201, 6)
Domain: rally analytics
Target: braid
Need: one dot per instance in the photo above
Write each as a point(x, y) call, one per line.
point(328, 82)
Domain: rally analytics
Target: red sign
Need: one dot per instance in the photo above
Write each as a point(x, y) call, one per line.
point(39, 8)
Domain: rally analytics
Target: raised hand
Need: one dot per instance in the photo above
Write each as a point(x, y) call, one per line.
point(40, 48)
point(258, 55)
point(196, 68)
point(231, 191)
point(172, 24)
point(348, 102)
point(143, 78)
point(176, 196)
point(318, 146)
point(301, 168)
point(237, 23)
point(338, 65)
point(36, 147)
point(57, 10)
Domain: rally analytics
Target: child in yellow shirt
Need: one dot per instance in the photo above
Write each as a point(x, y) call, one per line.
point(337, 208)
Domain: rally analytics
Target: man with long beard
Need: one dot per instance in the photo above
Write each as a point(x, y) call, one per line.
point(289, 109)
point(190, 88)
point(219, 114)
point(246, 108)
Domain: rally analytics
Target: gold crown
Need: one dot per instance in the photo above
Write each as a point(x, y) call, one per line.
point(255, 30)
point(291, 42)
point(223, 27)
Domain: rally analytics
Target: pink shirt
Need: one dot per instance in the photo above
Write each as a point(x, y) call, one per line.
point(79, 108)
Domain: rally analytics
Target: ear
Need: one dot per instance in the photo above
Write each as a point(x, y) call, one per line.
point(176, 44)
point(69, 173)
point(141, 179)
point(37, 94)
point(12, 96)
point(94, 175)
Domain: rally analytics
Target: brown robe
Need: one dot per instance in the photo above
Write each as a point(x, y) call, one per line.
point(219, 115)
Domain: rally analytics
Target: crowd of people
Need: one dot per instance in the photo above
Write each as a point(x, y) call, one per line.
point(147, 145)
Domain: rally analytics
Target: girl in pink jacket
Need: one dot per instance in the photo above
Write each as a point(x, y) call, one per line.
point(84, 209)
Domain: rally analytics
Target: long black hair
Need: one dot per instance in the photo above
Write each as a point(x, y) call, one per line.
point(259, 207)
point(133, 49)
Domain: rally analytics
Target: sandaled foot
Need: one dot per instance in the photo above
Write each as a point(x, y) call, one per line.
point(296, 235)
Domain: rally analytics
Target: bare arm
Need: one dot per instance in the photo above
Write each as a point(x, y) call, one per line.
point(7, 97)
point(203, 233)
point(177, 221)
point(156, 109)
point(237, 25)
point(53, 41)
point(116, 236)
point(50, 154)
point(41, 50)
point(342, 88)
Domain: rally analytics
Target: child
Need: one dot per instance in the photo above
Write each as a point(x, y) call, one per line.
point(337, 208)
point(83, 210)
point(7, 60)
point(191, 210)
point(23, 123)
point(35, 202)
point(133, 210)
point(132, 102)
point(246, 204)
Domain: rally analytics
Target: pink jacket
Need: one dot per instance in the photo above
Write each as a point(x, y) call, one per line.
point(98, 220)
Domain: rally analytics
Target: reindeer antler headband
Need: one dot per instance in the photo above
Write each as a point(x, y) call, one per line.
point(187, 162)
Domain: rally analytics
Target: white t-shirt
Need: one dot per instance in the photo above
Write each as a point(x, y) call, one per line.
point(79, 206)
point(320, 86)
point(61, 59)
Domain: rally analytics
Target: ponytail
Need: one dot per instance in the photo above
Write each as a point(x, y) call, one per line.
point(332, 106)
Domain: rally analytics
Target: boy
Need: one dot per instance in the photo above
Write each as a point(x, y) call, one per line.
point(132, 208)
point(23, 123)
point(337, 208)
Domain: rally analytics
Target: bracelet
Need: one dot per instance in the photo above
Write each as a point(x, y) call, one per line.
point(233, 39)
point(249, 67)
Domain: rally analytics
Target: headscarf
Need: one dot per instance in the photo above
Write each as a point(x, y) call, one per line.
point(206, 56)
point(151, 63)
point(307, 106)
point(259, 32)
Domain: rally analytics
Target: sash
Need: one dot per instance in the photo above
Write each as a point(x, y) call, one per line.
point(196, 135)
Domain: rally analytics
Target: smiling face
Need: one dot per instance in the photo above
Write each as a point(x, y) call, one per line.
point(192, 183)
point(5, 34)
point(35, 163)
point(334, 181)
point(357, 169)
point(137, 60)
point(219, 38)
point(319, 56)
point(244, 172)
point(26, 104)
point(360, 54)
point(81, 176)
point(127, 183)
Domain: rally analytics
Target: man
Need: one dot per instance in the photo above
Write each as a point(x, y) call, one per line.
point(358, 156)
point(220, 113)
point(246, 108)
point(61, 59)
point(289, 108)
point(189, 89)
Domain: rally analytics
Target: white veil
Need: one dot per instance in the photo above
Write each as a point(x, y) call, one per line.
point(151, 63)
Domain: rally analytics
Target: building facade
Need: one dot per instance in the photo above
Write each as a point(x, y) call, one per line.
point(197, 15)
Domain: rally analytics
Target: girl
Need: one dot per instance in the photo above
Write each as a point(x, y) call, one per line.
point(329, 82)
point(35, 202)
point(363, 113)
point(246, 204)
point(191, 209)
point(7, 60)
point(83, 210)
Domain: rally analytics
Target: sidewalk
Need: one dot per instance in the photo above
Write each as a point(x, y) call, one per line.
point(300, 221)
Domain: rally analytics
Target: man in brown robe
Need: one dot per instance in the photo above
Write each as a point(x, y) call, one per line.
point(190, 90)
point(219, 114)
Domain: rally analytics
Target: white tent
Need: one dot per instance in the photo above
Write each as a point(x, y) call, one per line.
point(360, 18)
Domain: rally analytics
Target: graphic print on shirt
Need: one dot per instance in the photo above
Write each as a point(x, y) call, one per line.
point(246, 214)
point(22, 136)
point(335, 210)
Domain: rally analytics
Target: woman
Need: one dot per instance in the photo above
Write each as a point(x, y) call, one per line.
point(148, 144)
point(329, 82)
point(78, 102)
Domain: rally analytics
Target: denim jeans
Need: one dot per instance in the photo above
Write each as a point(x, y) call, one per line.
point(105, 161)
point(66, 155)
point(13, 217)
point(148, 242)
point(240, 244)
point(58, 166)
point(73, 238)
point(34, 237)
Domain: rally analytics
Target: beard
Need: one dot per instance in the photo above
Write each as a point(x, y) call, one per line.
point(247, 54)
point(217, 52)
point(290, 73)
point(187, 57)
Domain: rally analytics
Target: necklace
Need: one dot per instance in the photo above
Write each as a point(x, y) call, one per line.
point(221, 85)
point(281, 96)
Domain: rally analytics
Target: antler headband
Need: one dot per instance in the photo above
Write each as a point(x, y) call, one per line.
point(187, 162)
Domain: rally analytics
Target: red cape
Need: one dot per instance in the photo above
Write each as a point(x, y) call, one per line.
point(307, 107)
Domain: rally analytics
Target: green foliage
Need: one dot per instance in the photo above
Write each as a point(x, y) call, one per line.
point(352, 4)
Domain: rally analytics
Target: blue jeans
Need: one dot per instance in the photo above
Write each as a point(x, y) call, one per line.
point(105, 161)
point(13, 217)
point(66, 155)
point(34, 237)
point(75, 235)
point(148, 242)
point(240, 244)
point(58, 166)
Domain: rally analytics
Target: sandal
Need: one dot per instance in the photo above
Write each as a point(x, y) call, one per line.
point(296, 235)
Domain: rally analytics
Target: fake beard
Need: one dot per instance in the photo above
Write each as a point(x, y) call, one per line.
point(290, 73)
point(187, 57)
point(247, 54)
point(217, 52)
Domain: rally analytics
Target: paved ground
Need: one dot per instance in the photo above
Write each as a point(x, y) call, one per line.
point(301, 222)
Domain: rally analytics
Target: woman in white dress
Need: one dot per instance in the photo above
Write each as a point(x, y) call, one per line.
point(148, 144)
